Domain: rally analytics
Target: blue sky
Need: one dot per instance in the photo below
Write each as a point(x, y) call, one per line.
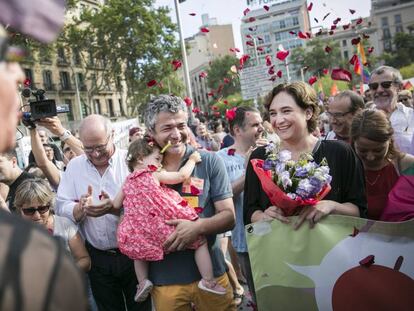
point(231, 11)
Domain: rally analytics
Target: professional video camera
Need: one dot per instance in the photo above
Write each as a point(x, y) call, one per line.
point(41, 107)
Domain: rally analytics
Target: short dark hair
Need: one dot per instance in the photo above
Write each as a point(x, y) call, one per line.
point(10, 154)
point(357, 102)
point(240, 117)
point(303, 94)
point(396, 74)
point(139, 149)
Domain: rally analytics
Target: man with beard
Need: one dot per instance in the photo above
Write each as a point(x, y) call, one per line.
point(385, 83)
point(341, 111)
point(176, 276)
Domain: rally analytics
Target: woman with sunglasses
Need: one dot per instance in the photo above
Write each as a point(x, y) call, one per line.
point(373, 139)
point(34, 201)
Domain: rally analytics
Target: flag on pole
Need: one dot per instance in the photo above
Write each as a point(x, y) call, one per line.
point(361, 52)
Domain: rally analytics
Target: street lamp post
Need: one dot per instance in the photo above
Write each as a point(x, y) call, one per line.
point(184, 56)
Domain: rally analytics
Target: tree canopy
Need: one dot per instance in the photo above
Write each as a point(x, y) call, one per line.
point(221, 80)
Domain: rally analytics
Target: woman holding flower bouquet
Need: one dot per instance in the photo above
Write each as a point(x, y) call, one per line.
point(313, 177)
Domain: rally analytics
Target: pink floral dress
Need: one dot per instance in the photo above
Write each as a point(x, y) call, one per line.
point(147, 206)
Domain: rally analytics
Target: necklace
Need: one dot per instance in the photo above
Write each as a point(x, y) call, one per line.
point(375, 181)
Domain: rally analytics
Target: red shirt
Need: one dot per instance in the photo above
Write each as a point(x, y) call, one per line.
point(378, 185)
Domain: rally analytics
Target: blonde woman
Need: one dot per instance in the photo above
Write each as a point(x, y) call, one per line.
point(34, 201)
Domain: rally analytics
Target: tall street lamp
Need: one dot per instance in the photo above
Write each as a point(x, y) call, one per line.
point(184, 56)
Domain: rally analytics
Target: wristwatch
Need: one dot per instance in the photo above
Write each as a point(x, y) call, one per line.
point(66, 134)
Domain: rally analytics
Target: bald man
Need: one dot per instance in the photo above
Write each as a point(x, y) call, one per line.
point(101, 169)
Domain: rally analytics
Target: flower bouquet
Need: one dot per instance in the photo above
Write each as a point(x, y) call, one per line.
point(289, 184)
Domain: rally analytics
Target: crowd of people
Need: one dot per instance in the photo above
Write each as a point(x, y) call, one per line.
point(89, 225)
point(162, 223)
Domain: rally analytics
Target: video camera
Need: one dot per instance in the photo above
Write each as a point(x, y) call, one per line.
point(41, 107)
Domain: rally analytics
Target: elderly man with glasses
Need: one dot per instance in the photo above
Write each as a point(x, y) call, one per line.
point(385, 83)
point(100, 172)
point(341, 111)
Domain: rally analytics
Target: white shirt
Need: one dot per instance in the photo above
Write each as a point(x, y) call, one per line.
point(80, 172)
point(402, 121)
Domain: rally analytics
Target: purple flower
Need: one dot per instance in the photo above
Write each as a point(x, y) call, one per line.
point(285, 179)
point(268, 164)
point(304, 189)
point(285, 155)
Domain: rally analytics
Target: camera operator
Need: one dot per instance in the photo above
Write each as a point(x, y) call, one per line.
point(45, 277)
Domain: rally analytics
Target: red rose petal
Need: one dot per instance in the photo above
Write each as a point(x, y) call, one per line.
point(279, 73)
point(266, 7)
point(316, 20)
point(328, 49)
point(312, 80)
point(352, 11)
point(271, 70)
point(188, 101)
point(202, 74)
point(326, 15)
point(183, 203)
point(152, 168)
point(336, 21)
point(250, 43)
point(220, 88)
point(367, 261)
point(272, 78)
point(359, 21)
point(231, 113)
point(355, 233)
point(225, 102)
point(204, 29)
point(226, 80)
point(331, 32)
point(210, 94)
point(341, 75)
point(325, 71)
point(302, 35)
point(268, 59)
point(199, 210)
point(196, 110)
point(231, 152)
point(371, 49)
point(353, 59)
point(333, 27)
point(252, 19)
point(310, 6)
point(27, 82)
point(355, 41)
point(151, 83)
point(192, 14)
point(309, 35)
point(281, 55)
point(345, 27)
point(365, 36)
point(176, 64)
point(246, 11)
point(293, 33)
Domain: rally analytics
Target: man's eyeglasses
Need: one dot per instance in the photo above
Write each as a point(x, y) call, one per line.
point(31, 210)
point(337, 115)
point(384, 85)
point(99, 148)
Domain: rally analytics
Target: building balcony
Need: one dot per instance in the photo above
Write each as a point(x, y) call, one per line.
point(66, 88)
point(60, 61)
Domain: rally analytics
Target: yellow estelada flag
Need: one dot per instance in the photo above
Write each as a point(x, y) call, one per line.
point(361, 52)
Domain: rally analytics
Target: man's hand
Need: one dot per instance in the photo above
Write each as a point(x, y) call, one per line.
point(53, 125)
point(104, 206)
point(186, 232)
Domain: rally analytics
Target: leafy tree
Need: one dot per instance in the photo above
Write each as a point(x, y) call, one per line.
point(403, 54)
point(133, 40)
point(315, 58)
point(407, 71)
point(221, 77)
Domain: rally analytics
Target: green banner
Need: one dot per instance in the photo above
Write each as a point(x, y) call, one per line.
point(343, 263)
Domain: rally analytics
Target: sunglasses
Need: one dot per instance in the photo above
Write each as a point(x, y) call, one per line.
point(384, 85)
point(31, 210)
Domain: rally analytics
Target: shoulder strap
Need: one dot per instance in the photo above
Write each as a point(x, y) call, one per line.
point(317, 145)
point(12, 265)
